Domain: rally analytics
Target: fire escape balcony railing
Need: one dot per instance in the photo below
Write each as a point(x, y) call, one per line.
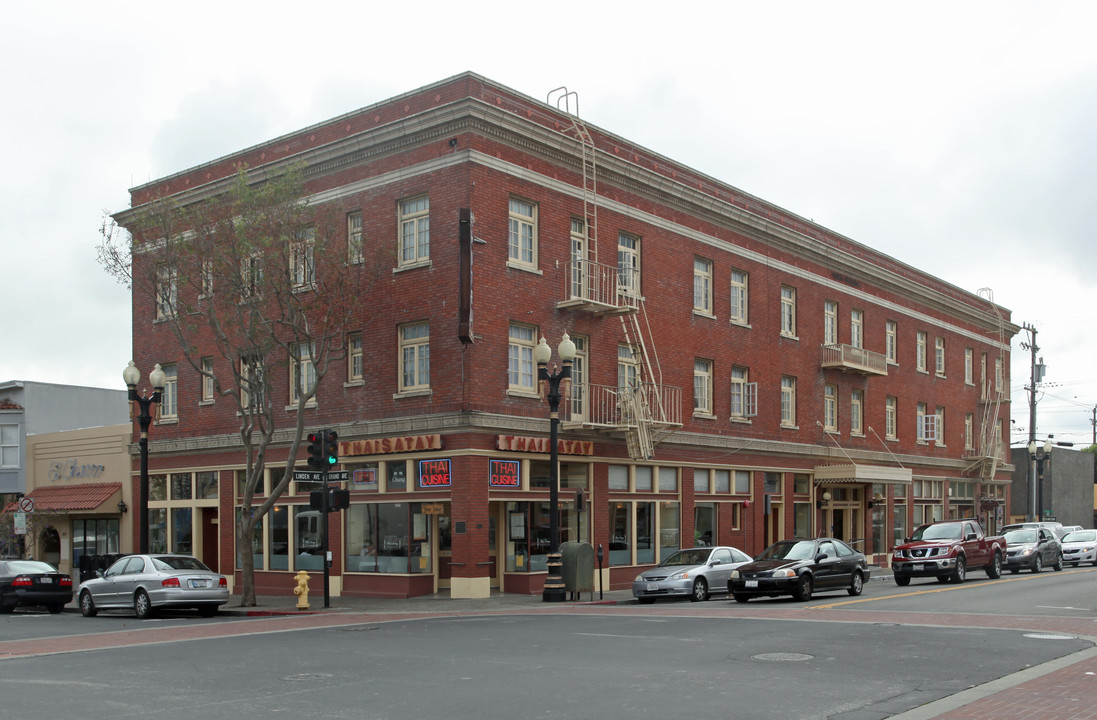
point(595, 286)
point(854, 359)
point(612, 407)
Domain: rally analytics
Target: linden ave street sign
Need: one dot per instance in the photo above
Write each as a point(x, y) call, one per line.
point(317, 475)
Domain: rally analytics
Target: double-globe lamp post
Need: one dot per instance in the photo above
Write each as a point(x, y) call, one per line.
point(1039, 455)
point(157, 378)
point(554, 582)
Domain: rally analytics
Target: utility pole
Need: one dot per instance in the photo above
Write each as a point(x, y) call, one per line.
point(1033, 349)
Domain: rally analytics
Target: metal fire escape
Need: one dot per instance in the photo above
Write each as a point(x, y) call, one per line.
point(640, 408)
point(984, 460)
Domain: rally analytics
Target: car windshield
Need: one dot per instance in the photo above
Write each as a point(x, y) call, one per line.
point(941, 531)
point(1081, 536)
point(1020, 536)
point(688, 557)
point(178, 562)
point(789, 550)
point(30, 566)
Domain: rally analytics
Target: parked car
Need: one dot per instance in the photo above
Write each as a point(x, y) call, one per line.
point(1056, 527)
point(30, 583)
point(947, 549)
point(694, 573)
point(1032, 548)
point(147, 583)
point(1080, 546)
point(799, 568)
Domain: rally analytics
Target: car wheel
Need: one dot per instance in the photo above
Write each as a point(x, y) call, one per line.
point(645, 601)
point(5, 609)
point(740, 597)
point(943, 579)
point(207, 610)
point(142, 606)
point(960, 573)
point(1015, 570)
point(994, 570)
point(1038, 565)
point(55, 608)
point(856, 585)
point(803, 588)
point(700, 590)
point(1058, 563)
point(87, 605)
point(902, 580)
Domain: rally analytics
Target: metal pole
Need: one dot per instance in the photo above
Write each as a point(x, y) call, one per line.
point(144, 418)
point(554, 582)
point(324, 516)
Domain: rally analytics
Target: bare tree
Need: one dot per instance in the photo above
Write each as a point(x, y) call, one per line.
point(260, 278)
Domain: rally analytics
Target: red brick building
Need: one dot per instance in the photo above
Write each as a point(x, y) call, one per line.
point(743, 375)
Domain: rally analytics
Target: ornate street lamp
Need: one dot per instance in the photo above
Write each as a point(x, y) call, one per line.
point(554, 583)
point(1039, 455)
point(131, 375)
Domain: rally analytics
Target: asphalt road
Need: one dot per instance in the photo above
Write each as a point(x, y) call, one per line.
point(888, 651)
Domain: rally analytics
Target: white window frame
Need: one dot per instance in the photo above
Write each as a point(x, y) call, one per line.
point(579, 269)
point(414, 236)
point(251, 277)
point(744, 394)
point(857, 328)
point(355, 358)
point(920, 352)
point(891, 341)
point(830, 322)
point(830, 407)
point(740, 296)
point(788, 311)
point(414, 357)
point(207, 380)
point(206, 282)
point(702, 286)
point(891, 418)
point(302, 379)
point(628, 367)
point(9, 445)
point(521, 370)
point(522, 235)
point(927, 424)
point(579, 369)
point(857, 412)
point(169, 397)
point(167, 291)
point(969, 431)
point(302, 261)
point(355, 248)
point(969, 366)
point(939, 426)
point(702, 387)
point(248, 366)
point(939, 356)
point(628, 264)
point(788, 401)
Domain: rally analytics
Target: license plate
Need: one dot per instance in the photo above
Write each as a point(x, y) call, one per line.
point(45, 581)
point(751, 583)
point(919, 566)
point(199, 583)
point(652, 587)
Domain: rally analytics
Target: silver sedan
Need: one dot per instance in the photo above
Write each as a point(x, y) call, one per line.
point(147, 583)
point(691, 573)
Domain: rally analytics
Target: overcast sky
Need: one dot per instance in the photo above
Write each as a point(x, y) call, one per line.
point(958, 137)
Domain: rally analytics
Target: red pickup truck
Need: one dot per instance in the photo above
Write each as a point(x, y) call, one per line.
point(946, 550)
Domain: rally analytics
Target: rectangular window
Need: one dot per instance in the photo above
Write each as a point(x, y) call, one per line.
point(628, 367)
point(618, 477)
point(742, 482)
point(521, 372)
point(983, 376)
point(169, 399)
point(354, 358)
point(579, 379)
point(702, 286)
point(830, 408)
point(739, 296)
point(830, 323)
point(788, 311)
point(920, 359)
point(580, 282)
point(969, 366)
point(939, 356)
point(701, 481)
point(167, 291)
point(414, 357)
point(355, 251)
point(251, 277)
point(206, 286)
point(628, 265)
point(856, 412)
point(939, 422)
point(969, 431)
point(702, 387)
point(999, 376)
point(891, 418)
point(926, 424)
point(857, 328)
point(207, 379)
point(414, 230)
point(9, 446)
point(891, 332)
point(788, 401)
point(522, 242)
point(744, 394)
point(253, 381)
point(302, 268)
point(801, 520)
point(302, 372)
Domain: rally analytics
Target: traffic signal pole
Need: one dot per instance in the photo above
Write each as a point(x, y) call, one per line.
point(324, 527)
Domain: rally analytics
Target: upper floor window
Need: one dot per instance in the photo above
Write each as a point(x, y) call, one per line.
point(939, 356)
point(169, 398)
point(969, 366)
point(702, 387)
point(856, 412)
point(302, 372)
point(999, 377)
point(926, 424)
point(939, 425)
point(522, 242)
point(857, 328)
point(891, 418)
point(702, 286)
point(739, 296)
point(969, 431)
point(302, 268)
point(521, 371)
point(628, 367)
point(579, 379)
point(744, 394)
point(579, 279)
point(167, 290)
point(354, 358)
point(891, 332)
point(830, 408)
point(628, 264)
point(206, 283)
point(830, 323)
point(9, 446)
point(252, 383)
point(414, 357)
point(355, 251)
point(414, 230)
point(920, 357)
point(251, 277)
point(207, 379)
point(983, 376)
point(788, 401)
point(788, 311)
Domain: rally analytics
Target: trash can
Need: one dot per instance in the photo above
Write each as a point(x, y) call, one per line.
point(577, 566)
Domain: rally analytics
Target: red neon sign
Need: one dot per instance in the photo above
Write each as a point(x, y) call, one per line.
point(505, 473)
point(434, 473)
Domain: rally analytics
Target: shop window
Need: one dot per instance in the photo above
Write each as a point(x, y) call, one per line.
point(742, 482)
point(206, 485)
point(182, 530)
point(643, 478)
point(573, 476)
point(388, 538)
point(618, 477)
point(801, 484)
point(669, 529)
point(279, 537)
point(668, 480)
point(158, 487)
point(701, 481)
point(256, 540)
point(773, 483)
point(396, 476)
point(801, 513)
point(308, 538)
point(181, 486)
point(723, 481)
point(158, 530)
point(704, 524)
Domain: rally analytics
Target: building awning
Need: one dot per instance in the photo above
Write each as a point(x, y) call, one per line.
point(885, 475)
point(89, 497)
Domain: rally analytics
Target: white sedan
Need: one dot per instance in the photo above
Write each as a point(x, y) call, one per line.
point(1080, 546)
point(147, 583)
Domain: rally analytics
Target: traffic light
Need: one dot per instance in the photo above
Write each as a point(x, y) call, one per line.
point(338, 500)
point(316, 450)
point(316, 499)
point(331, 448)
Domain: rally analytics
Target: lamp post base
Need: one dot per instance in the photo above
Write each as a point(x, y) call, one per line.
point(554, 583)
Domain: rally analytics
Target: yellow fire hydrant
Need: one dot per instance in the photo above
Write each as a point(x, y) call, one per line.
point(302, 590)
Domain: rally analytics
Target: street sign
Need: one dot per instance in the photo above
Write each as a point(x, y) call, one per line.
point(317, 476)
point(20, 520)
point(26, 504)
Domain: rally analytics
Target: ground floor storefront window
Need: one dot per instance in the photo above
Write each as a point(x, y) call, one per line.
point(94, 536)
point(388, 538)
point(634, 527)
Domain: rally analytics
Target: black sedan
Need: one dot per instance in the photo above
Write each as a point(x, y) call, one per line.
point(29, 583)
point(799, 568)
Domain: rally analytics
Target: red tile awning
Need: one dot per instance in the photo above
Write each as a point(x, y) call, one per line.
point(76, 498)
